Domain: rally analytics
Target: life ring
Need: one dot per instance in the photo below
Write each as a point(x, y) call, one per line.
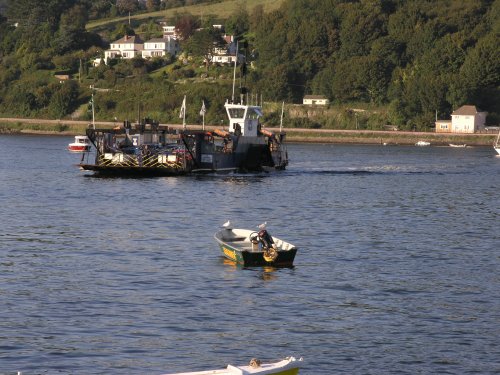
point(270, 254)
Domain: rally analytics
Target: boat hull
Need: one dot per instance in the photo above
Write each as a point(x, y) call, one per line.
point(288, 366)
point(78, 148)
point(133, 171)
point(256, 259)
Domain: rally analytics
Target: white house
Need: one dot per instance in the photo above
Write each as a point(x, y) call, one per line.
point(466, 119)
point(158, 47)
point(227, 54)
point(127, 47)
point(169, 31)
point(315, 100)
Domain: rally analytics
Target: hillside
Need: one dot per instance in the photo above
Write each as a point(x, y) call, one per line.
point(396, 62)
point(222, 10)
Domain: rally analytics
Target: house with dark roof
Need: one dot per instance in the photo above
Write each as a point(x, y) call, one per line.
point(127, 47)
point(466, 119)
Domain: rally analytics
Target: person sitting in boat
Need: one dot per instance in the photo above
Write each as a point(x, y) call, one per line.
point(265, 238)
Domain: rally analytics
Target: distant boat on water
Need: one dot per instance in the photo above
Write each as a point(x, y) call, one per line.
point(80, 144)
point(455, 145)
point(422, 143)
point(496, 145)
point(287, 366)
point(254, 248)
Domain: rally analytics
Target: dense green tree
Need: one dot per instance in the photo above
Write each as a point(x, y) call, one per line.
point(63, 100)
point(120, 31)
point(186, 26)
point(127, 6)
point(361, 25)
point(238, 23)
point(204, 43)
point(152, 5)
point(71, 34)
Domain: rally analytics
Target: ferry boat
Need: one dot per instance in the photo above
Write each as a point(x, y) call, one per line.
point(148, 148)
point(287, 366)
point(80, 144)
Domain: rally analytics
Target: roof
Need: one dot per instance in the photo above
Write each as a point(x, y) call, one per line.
point(129, 39)
point(314, 97)
point(157, 40)
point(466, 110)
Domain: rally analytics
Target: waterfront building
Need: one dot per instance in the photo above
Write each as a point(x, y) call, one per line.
point(466, 119)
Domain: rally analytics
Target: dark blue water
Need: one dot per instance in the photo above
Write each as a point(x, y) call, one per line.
point(397, 270)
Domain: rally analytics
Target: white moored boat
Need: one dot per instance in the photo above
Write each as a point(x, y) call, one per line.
point(496, 145)
point(287, 366)
point(81, 144)
point(422, 143)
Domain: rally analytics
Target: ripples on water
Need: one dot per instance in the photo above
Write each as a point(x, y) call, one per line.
point(397, 269)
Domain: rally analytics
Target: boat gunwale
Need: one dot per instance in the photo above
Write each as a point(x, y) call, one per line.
point(246, 240)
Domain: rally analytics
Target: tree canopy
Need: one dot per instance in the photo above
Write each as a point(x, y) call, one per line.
point(417, 55)
point(413, 57)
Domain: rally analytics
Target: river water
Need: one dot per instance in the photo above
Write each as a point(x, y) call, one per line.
point(397, 270)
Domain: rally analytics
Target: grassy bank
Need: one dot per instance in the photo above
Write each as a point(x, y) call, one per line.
point(222, 10)
point(387, 138)
point(38, 128)
point(55, 127)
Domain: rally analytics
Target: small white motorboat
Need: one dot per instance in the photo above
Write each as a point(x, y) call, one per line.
point(254, 248)
point(422, 143)
point(81, 144)
point(496, 145)
point(287, 366)
point(455, 145)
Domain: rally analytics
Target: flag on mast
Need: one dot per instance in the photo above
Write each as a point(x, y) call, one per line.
point(203, 109)
point(182, 114)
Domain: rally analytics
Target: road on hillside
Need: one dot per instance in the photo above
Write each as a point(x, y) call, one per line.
point(211, 127)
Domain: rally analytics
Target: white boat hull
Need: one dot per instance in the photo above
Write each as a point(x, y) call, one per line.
point(237, 245)
point(288, 366)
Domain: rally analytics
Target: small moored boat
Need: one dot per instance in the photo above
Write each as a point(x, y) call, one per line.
point(422, 143)
point(254, 248)
point(496, 145)
point(287, 366)
point(80, 144)
point(460, 145)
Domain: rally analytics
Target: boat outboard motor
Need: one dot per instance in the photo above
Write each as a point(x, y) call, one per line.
point(265, 239)
point(270, 249)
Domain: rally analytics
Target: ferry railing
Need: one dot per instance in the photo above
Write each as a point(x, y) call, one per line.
point(149, 161)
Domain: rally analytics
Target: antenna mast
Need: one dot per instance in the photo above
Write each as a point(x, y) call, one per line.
point(234, 72)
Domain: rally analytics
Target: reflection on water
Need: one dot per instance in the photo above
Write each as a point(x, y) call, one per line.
point(396, 272)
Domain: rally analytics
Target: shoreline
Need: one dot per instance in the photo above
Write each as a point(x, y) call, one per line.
point(294, 135)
